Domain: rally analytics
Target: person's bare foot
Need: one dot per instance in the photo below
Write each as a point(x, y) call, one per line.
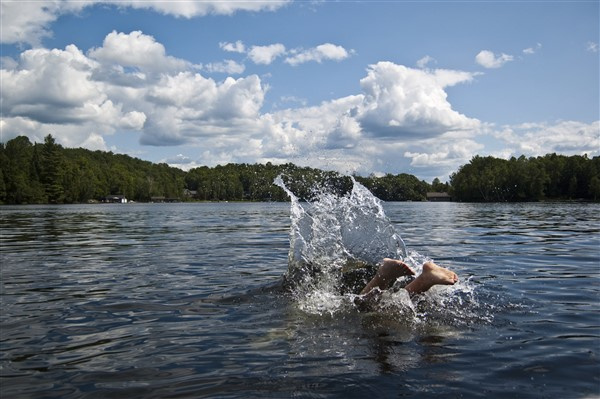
point(432, 275)
point(387, 274)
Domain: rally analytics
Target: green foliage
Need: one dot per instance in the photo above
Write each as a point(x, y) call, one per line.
point(21, 180)
point(527, 179)
point(244, 182)
point(439, 187)
point(402, 187)
point(48, 173)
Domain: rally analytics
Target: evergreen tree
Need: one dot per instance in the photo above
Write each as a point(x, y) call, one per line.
point(53, 170)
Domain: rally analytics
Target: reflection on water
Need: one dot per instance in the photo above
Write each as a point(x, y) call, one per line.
point(185, 300)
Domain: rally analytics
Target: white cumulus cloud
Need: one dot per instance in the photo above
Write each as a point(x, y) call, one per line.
point(488, 59)
point(532, 50)
point(53, 86)
point(266, 54)
point(190, 9)
point(136, 50)
point(94, 142)
point(563, 137)
point(423, 62)
point(319, 53)
point(410, 103)
point(188, 107)
point(237, 47)
point(71, 94)
point(29, 21)
point(228, 66)
point(133, 120)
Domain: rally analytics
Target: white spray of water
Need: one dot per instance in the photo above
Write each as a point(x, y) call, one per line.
point(334, 230)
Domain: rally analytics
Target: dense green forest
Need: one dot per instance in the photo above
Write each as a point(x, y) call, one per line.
point(49, 173)
point(528, 179)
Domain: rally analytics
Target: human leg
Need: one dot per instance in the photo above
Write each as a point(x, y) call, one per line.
point(391, 269)
point(387, 274)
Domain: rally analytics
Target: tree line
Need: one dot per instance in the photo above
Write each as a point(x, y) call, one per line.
point(487, 179)
point(48, 173)
point(40, 173)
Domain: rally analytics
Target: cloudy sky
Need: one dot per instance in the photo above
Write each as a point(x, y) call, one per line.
point(364, 87)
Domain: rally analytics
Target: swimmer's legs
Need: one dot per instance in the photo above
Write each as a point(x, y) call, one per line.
point(432, 275)
point(387, 274)
point(392, 269)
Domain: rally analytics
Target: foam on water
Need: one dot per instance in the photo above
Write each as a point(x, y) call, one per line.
point(333, 231)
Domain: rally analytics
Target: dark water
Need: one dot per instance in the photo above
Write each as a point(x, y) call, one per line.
point(183, 300)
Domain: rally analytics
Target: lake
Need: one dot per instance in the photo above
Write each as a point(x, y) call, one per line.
point(186, 301)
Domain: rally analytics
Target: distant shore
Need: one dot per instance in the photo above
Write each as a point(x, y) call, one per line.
point(51, 174)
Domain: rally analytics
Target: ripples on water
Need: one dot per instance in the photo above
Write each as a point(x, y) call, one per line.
point(185, 300)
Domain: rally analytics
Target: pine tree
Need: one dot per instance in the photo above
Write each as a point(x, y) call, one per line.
point(52, 170)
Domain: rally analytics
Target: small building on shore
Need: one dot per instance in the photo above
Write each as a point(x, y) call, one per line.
point(190, 193)
point(439, 197)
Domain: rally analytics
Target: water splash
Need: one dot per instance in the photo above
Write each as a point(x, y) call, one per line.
point(334, 228)
point(336, 242)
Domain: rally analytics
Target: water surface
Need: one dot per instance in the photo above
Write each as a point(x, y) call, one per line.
point(185, 300)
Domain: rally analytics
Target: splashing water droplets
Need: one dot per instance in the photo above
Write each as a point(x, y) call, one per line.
point(335, 234)
point(333, 228)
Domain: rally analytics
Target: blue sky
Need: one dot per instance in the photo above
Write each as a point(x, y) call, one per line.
point(358, 87)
